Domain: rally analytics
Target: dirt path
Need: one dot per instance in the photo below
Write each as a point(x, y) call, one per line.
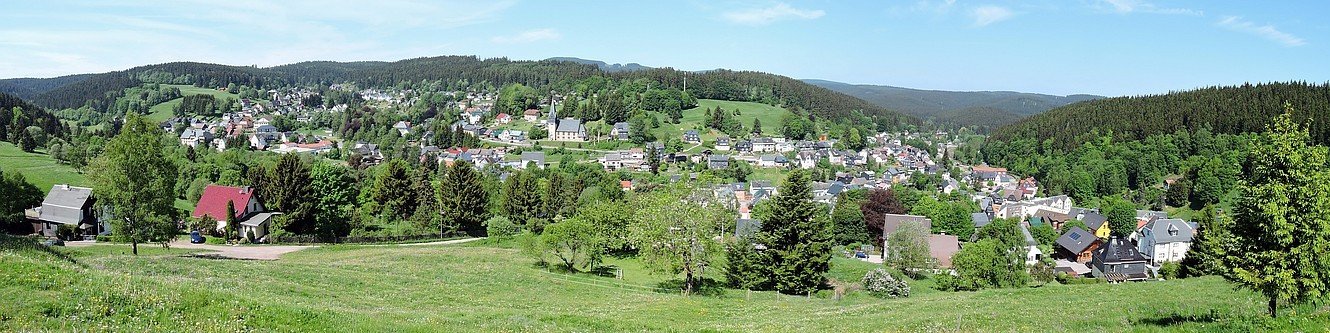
point(251, 252)
point(447, 242)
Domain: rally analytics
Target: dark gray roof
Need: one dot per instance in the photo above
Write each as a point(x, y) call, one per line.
point(1094, 220)
point(1076, 240)
point(980, 219)
point(569, 125)
point(1171, 230)
point(1117, 250)
point(622, 126)
point(746, 227)
point(537, 156)
point(259, 219)
point(65, 204)
point(719, 158)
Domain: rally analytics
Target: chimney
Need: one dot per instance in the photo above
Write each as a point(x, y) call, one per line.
point(244, 189)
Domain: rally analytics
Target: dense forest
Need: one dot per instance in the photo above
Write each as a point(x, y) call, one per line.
point(27, 125)
point(100, 92)
point(1179, 149)
point(28, 88)
point(1231, 110)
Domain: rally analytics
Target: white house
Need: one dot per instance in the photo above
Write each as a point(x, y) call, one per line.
point(1165, 240)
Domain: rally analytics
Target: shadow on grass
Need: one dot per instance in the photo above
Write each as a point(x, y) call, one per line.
point(214, 256)
point(33, 244)
point(703, 286)
point(1180, 319)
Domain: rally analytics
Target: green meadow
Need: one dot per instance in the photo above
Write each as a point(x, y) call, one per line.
point(489, 286)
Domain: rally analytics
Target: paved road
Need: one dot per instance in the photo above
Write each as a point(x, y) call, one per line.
point(253, 252)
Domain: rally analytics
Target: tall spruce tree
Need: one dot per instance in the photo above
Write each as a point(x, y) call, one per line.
point(1208, 249)
point(1282, 230)
point(463, 197)
point(797, 237)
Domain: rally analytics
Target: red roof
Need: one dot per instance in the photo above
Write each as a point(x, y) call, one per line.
point(214, 199)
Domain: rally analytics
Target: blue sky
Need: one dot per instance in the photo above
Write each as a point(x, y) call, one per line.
point(1107, 47)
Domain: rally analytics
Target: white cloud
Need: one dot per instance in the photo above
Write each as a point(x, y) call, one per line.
point(1269, 32)
point(764, 16)
point(985, 15)
point(1140, 6)
point(529, 36)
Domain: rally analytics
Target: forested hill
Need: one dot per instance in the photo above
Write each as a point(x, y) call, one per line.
point(1229, 109)
point(98, 91)
point(14, 125)
point(967, 108)
point(607, 67)
point(28, 88)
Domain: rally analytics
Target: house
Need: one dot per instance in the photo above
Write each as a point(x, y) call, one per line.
point(70, 205)
point(1077, 245)
point(765, 186)
point(212, 204)
point(194, 137)
point(980, 219)
point(764, 144)
point(771, 161)
point(718, 161)
point(620, 131)
point(1098, 223)
point(1032, 252)
point(723, 143)
point(503, 118)
point(942, 248)
point(403, 127)
point(531, 115)
point(1165, 240)
point(1119, 261)
point(894, 221)
point(743, 146)
point(691, 136)
point(537, 157)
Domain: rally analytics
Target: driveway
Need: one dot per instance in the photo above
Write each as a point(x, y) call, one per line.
point(251, 252)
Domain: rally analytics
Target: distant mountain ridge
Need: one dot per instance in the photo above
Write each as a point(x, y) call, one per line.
point(607, 67)
point(971, 108)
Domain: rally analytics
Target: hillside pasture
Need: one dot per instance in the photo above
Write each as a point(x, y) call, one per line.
point(162, 112)
point(491, 287)
point(39, 168)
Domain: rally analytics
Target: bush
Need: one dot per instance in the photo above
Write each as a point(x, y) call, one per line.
point(1170, 270)
point(1063, 278)
point(880, 283)
point(104, 239)
point(215, 241)
point(67, 232)
point(501, 227)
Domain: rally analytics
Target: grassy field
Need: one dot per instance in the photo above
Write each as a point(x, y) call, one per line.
point(490, 287)
point(162, 112)
point(695, 118)
point(39, 169)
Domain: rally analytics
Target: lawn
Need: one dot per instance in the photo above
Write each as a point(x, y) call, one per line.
point(695, 118)
point(162, 112)
point(39, 169)
point(491, 287)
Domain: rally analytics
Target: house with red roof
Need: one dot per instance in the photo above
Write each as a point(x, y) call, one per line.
point(249, 210)
point(503, 118)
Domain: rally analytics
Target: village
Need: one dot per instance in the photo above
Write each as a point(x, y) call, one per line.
point(1084, 249)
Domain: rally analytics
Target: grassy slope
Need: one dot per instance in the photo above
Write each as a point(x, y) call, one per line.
point(39, 169)
point(695, 118)
point(486, 288)
point(164, 111)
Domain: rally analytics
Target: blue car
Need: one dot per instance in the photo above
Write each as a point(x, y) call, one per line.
point(196, 238)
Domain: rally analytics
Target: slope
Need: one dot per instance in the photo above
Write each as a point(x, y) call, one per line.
point(937, 103)
point(1228, 109)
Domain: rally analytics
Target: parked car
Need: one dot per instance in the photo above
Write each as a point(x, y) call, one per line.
point(54, 242)
point(196, 238)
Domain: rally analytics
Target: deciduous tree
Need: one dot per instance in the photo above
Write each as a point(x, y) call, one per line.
point(135, 181)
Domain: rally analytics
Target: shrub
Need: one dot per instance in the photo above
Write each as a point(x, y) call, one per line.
point(67, 232)
point(501, 227)
point(1170, 270)
point(216, 241)
point(880, 283)
point(104, 239)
